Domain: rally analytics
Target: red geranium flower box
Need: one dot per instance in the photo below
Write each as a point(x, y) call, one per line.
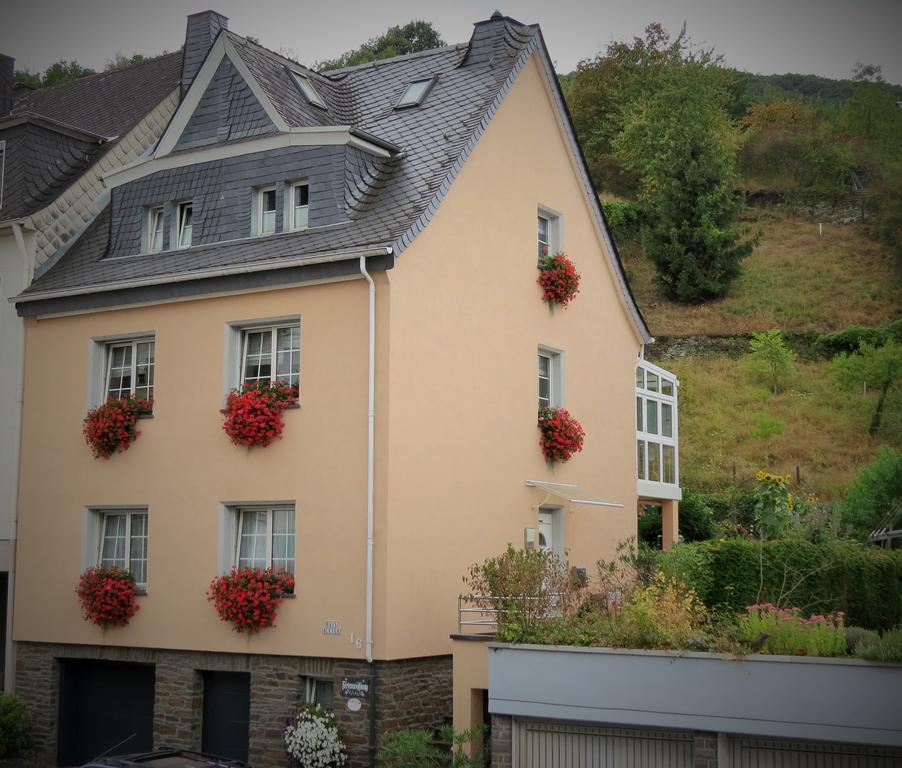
point(558, 279)
point(562, 435)
point(107, 596)
point(253, 412)
point(248, 597)
point(110, 427)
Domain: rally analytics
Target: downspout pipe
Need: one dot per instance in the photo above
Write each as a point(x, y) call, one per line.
point(370, 455)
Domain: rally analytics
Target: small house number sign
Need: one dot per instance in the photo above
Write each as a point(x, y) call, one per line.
point(355, 687)
point(331, 627)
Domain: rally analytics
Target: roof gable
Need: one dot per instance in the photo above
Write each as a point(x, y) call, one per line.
point(227, 111)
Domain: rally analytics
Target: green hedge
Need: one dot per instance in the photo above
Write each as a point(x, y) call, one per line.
point(624, 220)
point(864, 582)
point(849, 339)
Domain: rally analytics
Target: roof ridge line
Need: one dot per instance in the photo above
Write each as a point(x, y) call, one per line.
point(328, 73)
point(106, 72)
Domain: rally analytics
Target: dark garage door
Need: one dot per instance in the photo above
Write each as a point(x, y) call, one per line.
point(105, 708)
point(227, 711)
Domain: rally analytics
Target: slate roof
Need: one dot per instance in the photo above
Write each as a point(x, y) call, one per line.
point(388, 201)
point(54, 134)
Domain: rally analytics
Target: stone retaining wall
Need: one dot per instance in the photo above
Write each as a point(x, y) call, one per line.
point(410, 693)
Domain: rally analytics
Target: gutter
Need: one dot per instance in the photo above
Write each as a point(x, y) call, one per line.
point(370, 455)
point(202, 275)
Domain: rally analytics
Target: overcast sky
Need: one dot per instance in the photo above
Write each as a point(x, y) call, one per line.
point(824, 37)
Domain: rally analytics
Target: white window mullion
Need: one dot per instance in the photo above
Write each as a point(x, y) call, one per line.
point(273, 356)
point(127, 555)
point(238, 538)
point(134, 373)
point(269, 516)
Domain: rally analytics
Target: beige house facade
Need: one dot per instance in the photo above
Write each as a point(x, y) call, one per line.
point(414, 451)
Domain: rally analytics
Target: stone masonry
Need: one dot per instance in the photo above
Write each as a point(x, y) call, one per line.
point(410, 693)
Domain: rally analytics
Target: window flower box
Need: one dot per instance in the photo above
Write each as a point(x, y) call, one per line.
point(247, 598)
point(107, 596)
point(562, 435)
point(110, 428)
point(253, 412)
point(558, 279)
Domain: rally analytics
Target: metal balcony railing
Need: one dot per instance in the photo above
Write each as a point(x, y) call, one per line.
point(479, 613)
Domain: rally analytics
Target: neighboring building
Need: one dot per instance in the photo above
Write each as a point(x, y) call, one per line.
point(55, 145)
point(370, 235)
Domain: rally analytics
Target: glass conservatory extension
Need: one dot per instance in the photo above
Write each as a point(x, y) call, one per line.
point(657, 431)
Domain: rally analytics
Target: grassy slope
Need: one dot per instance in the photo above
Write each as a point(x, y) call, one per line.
point(825, 429)
point(796, 280)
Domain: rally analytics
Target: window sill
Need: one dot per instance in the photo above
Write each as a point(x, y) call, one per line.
point(141, 591)
point(289, 407)
point(145, 415)
point(288, 595)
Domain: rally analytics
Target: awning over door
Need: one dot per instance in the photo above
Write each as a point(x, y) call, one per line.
point(573, 493)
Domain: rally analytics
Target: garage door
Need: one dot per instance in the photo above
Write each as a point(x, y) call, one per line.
point(561, 745)
point(106, 708)
point(761, 753)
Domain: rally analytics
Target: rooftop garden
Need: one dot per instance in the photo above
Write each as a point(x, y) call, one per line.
point(787, 578)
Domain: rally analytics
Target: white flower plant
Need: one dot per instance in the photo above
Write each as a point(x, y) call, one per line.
point(312, 740)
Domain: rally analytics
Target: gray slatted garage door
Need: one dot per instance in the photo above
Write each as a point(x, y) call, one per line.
point(561, 745)
point(761, 753)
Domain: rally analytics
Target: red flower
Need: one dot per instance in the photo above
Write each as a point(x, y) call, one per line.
point(107, 596)
point(253, 412)
point(558, 278)
point(248, 597)
point(562, 435)
point(111, 427)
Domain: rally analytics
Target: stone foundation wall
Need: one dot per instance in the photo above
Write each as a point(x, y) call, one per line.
point(410, 693)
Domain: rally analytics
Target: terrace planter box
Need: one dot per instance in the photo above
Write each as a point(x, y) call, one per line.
point(789, 697)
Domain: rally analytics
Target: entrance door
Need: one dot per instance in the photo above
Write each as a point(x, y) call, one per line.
point(105, 708)
point(227, 714)
point(546, 541)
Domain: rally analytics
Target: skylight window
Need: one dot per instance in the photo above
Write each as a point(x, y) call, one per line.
point(306, 87)
point(415, 93)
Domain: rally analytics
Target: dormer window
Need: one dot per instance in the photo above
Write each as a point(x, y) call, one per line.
point(300, 211)
point(266, 211)
point(185, 226)
point(155, 229)
point(415, 93)
point(306, 87)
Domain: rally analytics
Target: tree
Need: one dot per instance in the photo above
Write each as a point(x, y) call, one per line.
point(768, 352)
point(119, 61)
point(56, 74)
point(877, 367)
point(873, 493)
point(397, 41)
point(683, 144)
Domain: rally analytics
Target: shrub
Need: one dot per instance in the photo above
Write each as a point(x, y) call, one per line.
point(624, 220)
point(312, 741)
point(856, 635)
point(558, 279)
point(865, 583)
point(787, 632)
point(850, 339)
point(773, 504)
point(562, 435)
point(107, 596)
point(524, 585)
point(768, 354)
point(874, 493)
point(696, 520)
point(15, 726)
point(662, 614)
point(248, 597)
point(110, 428)
point(418, 748)
point(886, 647)
point(253, 412)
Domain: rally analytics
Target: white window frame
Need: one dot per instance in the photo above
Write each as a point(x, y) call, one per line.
point(644, 396)
point(180, 224)
point(273, 351)
point(129, 512)
point(151, 220)
point(555, 359)
point(311, 683)
point(555, 231)
point(269, 510)
point(261, 196)
point(133, 342)
point(305, 86)
point(408, 100)
point(291, 208)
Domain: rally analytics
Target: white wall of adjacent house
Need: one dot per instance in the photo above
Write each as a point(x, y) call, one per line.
point(16, 253)
point(40, 238)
